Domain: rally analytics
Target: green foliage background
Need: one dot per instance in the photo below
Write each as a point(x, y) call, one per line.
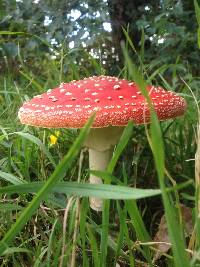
point(168, 26)
point(161, 39)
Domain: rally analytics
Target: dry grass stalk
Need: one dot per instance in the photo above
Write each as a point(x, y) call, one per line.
point(77, 218)
point(197, 165)
point(66, 213)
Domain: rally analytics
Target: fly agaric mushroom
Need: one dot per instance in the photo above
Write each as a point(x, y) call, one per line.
point(115, 101)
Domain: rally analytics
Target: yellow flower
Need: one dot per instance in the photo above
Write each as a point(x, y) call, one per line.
point(54, 137)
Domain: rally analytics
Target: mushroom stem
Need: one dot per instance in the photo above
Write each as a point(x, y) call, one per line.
point(98, 160)
point(100, 142)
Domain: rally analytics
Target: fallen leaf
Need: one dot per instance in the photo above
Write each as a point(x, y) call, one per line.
point(162, 239)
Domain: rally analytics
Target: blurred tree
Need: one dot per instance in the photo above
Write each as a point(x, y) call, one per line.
point(68, 24)
point(168, 25)
point(55, 21)
point(125, 14)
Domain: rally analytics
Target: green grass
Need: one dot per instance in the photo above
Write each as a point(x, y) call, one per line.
point(38, 180)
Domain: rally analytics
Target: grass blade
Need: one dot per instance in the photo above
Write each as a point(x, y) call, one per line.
point(11, 178)
point(120, 147)
point(106, 206)
point(124, 235)
point(83, 189)
point(139, 226)
point(197, 11)
point(156, 143)
point(13, 250)
point(83, 222)
point(51, 242)
point(94, 247)
point(174, 227)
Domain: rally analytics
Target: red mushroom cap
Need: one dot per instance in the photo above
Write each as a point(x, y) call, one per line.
point(115, 101)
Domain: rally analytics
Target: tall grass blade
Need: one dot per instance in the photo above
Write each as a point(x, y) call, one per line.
point(120, 147)
point(197, 154)
point(174, 227)
point(50, 242)
point(156, 143)
point(13, 250)
point(104, 191)
point(106, 206)
point(197, 11)
point(94, 247)
point(124, 235)
point(83, 220)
